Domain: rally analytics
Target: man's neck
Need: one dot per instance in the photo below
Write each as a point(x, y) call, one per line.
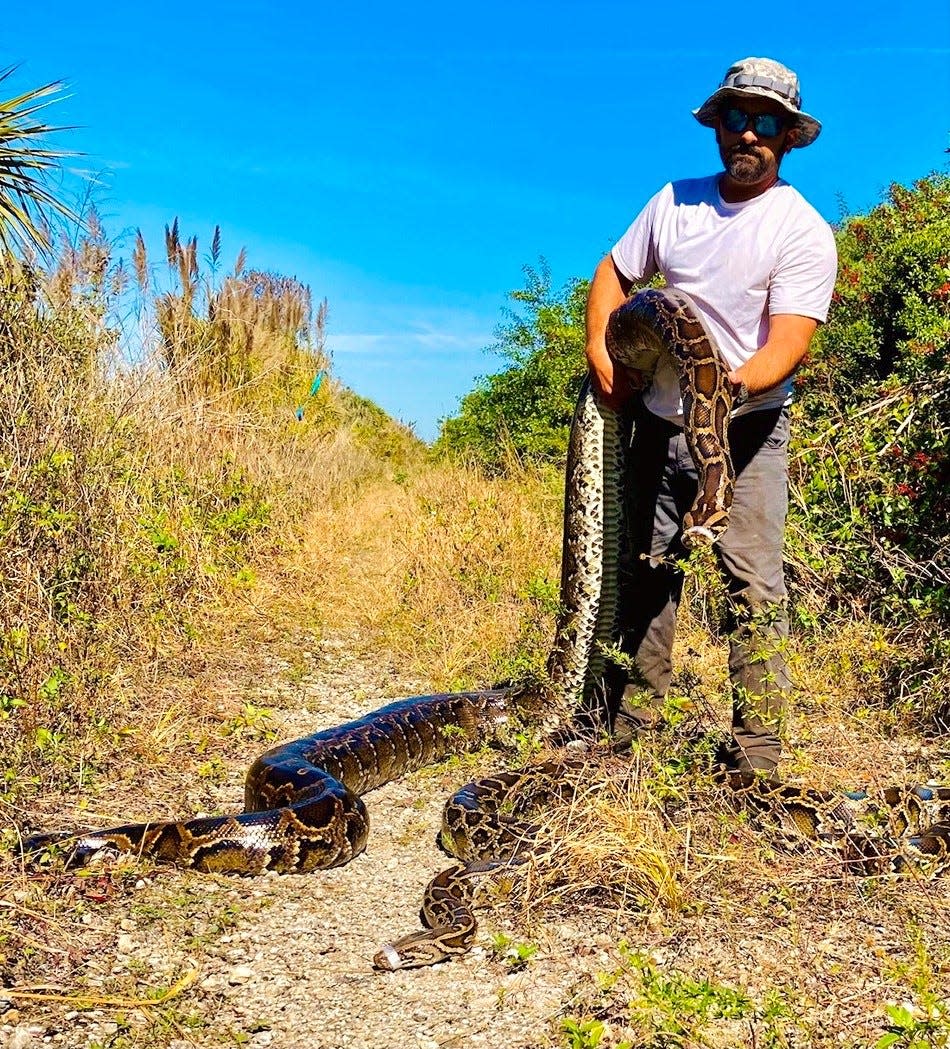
point(733, 192)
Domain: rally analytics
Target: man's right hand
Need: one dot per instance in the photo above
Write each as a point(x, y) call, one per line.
point(614, 385)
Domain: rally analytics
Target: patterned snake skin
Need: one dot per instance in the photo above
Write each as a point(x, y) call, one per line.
point(652, 326)
point(302, 804)
point(659, 323)
point(487, 824)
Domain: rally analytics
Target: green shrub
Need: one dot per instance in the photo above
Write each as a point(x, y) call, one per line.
point(871, 510)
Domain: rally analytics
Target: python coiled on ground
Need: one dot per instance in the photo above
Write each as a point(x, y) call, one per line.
point(303, 807)
point(489, 825)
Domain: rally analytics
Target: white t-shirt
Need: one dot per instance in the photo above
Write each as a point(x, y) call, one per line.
point(740, 263)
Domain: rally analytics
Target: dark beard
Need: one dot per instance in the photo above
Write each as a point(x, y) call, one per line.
point(745, 165)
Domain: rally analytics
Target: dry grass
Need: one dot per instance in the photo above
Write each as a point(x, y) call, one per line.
point(451, 572)
point(612, 844)
point(714, 933)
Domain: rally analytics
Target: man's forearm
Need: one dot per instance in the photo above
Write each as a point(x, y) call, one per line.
point(768, 368)
point(780, 355)
point(608, 290)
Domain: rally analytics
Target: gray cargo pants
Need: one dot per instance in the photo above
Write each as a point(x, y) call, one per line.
point(661, 485)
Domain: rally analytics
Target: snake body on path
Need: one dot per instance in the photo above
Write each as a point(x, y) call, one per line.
point(303, 809)
point(302, 804)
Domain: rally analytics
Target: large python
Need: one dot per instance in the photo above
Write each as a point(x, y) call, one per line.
point(303, 807)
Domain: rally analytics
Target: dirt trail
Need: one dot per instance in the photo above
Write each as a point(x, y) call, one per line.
point(286, 960)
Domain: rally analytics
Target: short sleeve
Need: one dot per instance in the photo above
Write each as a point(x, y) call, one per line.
point(804, 276)
point(635, 253)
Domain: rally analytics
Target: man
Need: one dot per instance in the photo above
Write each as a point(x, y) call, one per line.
point(759, 263)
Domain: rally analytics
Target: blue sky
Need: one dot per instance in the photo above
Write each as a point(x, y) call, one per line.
point(407, 160)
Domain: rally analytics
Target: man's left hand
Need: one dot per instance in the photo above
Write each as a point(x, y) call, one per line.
point(739, 390)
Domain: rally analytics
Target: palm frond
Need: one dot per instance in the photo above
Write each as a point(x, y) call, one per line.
point(25, 200)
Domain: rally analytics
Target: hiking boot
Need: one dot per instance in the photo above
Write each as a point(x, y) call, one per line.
point(629, 727)
point(741, 770)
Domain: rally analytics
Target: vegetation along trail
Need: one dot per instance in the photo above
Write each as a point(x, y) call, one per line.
point(736, 939)
point(208, 550)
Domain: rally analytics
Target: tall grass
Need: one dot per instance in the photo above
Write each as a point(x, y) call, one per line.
point(132, 497)
point(250, 337)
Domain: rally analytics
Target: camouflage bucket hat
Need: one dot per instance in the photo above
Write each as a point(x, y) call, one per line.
point(761, 78)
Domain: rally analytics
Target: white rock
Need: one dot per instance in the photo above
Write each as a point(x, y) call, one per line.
point(23, 1037)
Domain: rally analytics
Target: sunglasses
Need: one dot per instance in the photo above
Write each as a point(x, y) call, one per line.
point(765, 125)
